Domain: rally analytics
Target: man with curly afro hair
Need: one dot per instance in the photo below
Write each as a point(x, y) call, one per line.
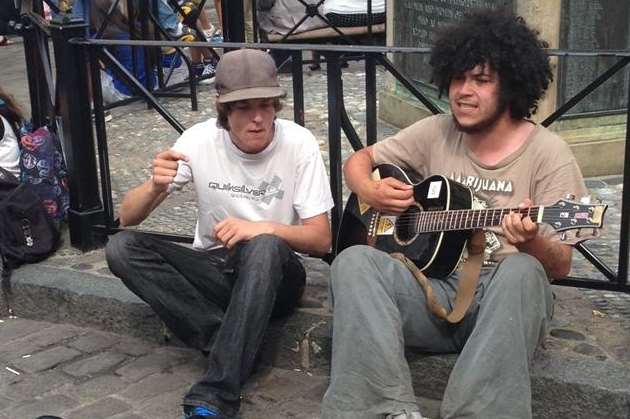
point(494, 69)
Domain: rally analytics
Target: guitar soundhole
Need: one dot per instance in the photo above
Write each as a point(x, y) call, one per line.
point(407, 225)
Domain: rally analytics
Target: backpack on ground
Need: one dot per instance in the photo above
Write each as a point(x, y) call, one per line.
point(42, 166)
point(27, 234)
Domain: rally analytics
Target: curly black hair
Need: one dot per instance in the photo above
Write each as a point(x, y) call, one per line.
point(503, 41)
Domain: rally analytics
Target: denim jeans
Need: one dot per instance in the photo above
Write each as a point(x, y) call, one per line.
point(166, 16)
point(379, 307)
point(217, 301)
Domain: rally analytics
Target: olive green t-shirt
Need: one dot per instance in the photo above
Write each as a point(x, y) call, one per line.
point(542, 169)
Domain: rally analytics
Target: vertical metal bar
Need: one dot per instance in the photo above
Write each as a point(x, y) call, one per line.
point(624, 231)
point(254, 21)
point(298, 87)
point(143, 15)
point(370, 19)
point(370, 99)
point(86, 209)
point(234, 28)
point(38, 92)
point(334, 139)
point(101, 138)
point(131, 17)
point(157, 36)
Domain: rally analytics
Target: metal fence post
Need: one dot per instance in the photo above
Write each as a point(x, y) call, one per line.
point(234, 21)
point(73, 96)
point(38, 91)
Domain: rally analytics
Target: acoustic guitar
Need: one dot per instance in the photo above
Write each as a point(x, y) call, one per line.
point(434, 231)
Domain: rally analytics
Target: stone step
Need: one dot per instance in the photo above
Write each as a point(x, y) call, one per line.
point(593, 134)
point(577, 374)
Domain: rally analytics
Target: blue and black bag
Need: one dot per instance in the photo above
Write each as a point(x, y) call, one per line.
point(42, 166)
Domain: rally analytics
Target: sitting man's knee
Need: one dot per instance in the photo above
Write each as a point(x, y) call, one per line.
point(117, 248)
point(352, 257)
point(522, 262)
point(267, 243)
point(523, 270)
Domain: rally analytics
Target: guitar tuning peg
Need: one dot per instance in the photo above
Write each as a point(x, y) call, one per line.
point(594, 232)
point(570, 196)
point(563, 236)
point(585, 200)
point(578, 232)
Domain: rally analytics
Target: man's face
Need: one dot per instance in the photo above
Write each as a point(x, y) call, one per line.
point(474, 99)
point(251, 124)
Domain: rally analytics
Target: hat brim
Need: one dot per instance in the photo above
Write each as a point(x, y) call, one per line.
point(252, 93)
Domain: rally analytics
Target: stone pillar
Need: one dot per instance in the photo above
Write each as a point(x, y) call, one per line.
point(544, 16)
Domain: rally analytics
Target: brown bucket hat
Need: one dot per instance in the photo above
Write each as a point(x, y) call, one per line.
point(247, 74)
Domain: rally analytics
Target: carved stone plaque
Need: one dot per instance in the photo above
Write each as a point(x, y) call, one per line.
point(416, 22)
point(593, 25)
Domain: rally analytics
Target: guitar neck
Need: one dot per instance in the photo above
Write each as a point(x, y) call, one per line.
point(451, 220)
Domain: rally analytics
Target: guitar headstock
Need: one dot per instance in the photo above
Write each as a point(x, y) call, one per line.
point(569, 215)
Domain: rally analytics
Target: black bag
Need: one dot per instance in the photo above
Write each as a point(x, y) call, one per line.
point(27, 234)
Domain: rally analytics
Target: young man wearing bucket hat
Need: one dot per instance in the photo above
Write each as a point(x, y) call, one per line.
point(262, 195)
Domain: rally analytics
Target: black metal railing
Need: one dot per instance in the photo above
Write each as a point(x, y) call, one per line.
point(96, 217)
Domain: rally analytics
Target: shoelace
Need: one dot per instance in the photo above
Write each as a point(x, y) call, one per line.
point(207, 70)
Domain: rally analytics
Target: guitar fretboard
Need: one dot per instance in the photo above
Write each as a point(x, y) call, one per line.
point(434, 221)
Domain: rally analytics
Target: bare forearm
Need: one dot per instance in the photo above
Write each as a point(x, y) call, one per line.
point(138, 204)
point(553, 255)
point(357, 171)
point(304, 238)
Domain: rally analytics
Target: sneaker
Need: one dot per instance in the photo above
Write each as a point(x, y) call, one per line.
point(201, 412)
point(217, 38)
point(209, 33)
point(204, 72)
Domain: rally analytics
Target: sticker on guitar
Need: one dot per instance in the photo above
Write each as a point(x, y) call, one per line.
point(434, 190)
point(386, 225)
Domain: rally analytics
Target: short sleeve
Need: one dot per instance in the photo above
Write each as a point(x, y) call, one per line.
point(312, 190)
point(410, 147)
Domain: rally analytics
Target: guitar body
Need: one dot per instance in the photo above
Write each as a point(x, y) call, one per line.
point(436, 254)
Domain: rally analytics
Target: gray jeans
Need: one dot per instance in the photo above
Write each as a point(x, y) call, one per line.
point(380, 308)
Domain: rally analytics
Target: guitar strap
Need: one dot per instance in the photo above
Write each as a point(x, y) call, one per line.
point(467, 284)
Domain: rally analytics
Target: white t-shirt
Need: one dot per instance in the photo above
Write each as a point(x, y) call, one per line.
point(9, 150)
point(284, 183)
point(353, 7)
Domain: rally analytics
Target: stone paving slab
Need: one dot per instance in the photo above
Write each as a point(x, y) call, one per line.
point(110, 392)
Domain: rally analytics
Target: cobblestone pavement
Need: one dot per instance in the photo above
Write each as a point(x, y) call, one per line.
point(79, 373)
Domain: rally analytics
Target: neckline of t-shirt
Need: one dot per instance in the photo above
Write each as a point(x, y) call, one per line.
point(247, 156)
point(508, 159)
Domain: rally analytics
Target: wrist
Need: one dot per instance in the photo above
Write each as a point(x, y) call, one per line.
point(365, 189)
point(530, 246)
point(156, 188)
point(269, 228)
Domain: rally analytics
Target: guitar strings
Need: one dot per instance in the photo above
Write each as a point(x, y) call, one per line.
point(461, 219)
